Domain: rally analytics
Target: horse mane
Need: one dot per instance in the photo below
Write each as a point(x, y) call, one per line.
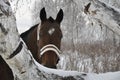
point(51, 19)
point(25, 34)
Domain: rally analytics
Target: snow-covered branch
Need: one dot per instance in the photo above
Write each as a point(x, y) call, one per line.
point(105, 12)
point(5, 7)
point(23, 65)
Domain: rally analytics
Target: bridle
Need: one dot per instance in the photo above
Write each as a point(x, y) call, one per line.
point(49, 47)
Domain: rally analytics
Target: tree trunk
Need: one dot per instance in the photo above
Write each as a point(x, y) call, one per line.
point(23, 66)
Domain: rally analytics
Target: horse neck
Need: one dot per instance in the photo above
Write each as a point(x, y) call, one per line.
point(32, 44)
point(32, 38)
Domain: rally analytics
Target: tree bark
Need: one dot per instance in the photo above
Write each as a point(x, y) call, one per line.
point(23, 65)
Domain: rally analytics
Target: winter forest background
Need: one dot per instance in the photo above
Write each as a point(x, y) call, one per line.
point(91, 39)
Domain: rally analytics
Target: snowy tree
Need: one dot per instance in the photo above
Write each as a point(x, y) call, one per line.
point(91, 36)
point(91, 43)
point(23, 66)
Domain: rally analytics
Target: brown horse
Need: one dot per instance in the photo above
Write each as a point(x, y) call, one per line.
point(5, 71)
point(44, 40)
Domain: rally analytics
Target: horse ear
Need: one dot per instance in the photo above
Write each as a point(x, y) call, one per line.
point(59, 17)
point(43, 14)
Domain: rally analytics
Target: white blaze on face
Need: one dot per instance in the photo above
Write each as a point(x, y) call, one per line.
point(51, 31)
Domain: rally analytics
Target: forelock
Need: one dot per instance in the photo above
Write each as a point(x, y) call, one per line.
point(51, 19)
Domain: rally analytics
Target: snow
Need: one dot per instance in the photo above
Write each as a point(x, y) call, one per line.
point(103, 76)
point(23, 14)
point(57, 71)
point(25, 21)
point(5, 8)
point(111, 76)
point(88, 76)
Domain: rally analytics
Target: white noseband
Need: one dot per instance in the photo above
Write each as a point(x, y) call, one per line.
point(50, 47)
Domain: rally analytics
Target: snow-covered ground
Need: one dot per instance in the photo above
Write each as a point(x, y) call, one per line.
point(85, 76)
point(88, 28)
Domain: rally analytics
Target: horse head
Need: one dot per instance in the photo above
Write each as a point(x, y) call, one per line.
point(49, 37)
